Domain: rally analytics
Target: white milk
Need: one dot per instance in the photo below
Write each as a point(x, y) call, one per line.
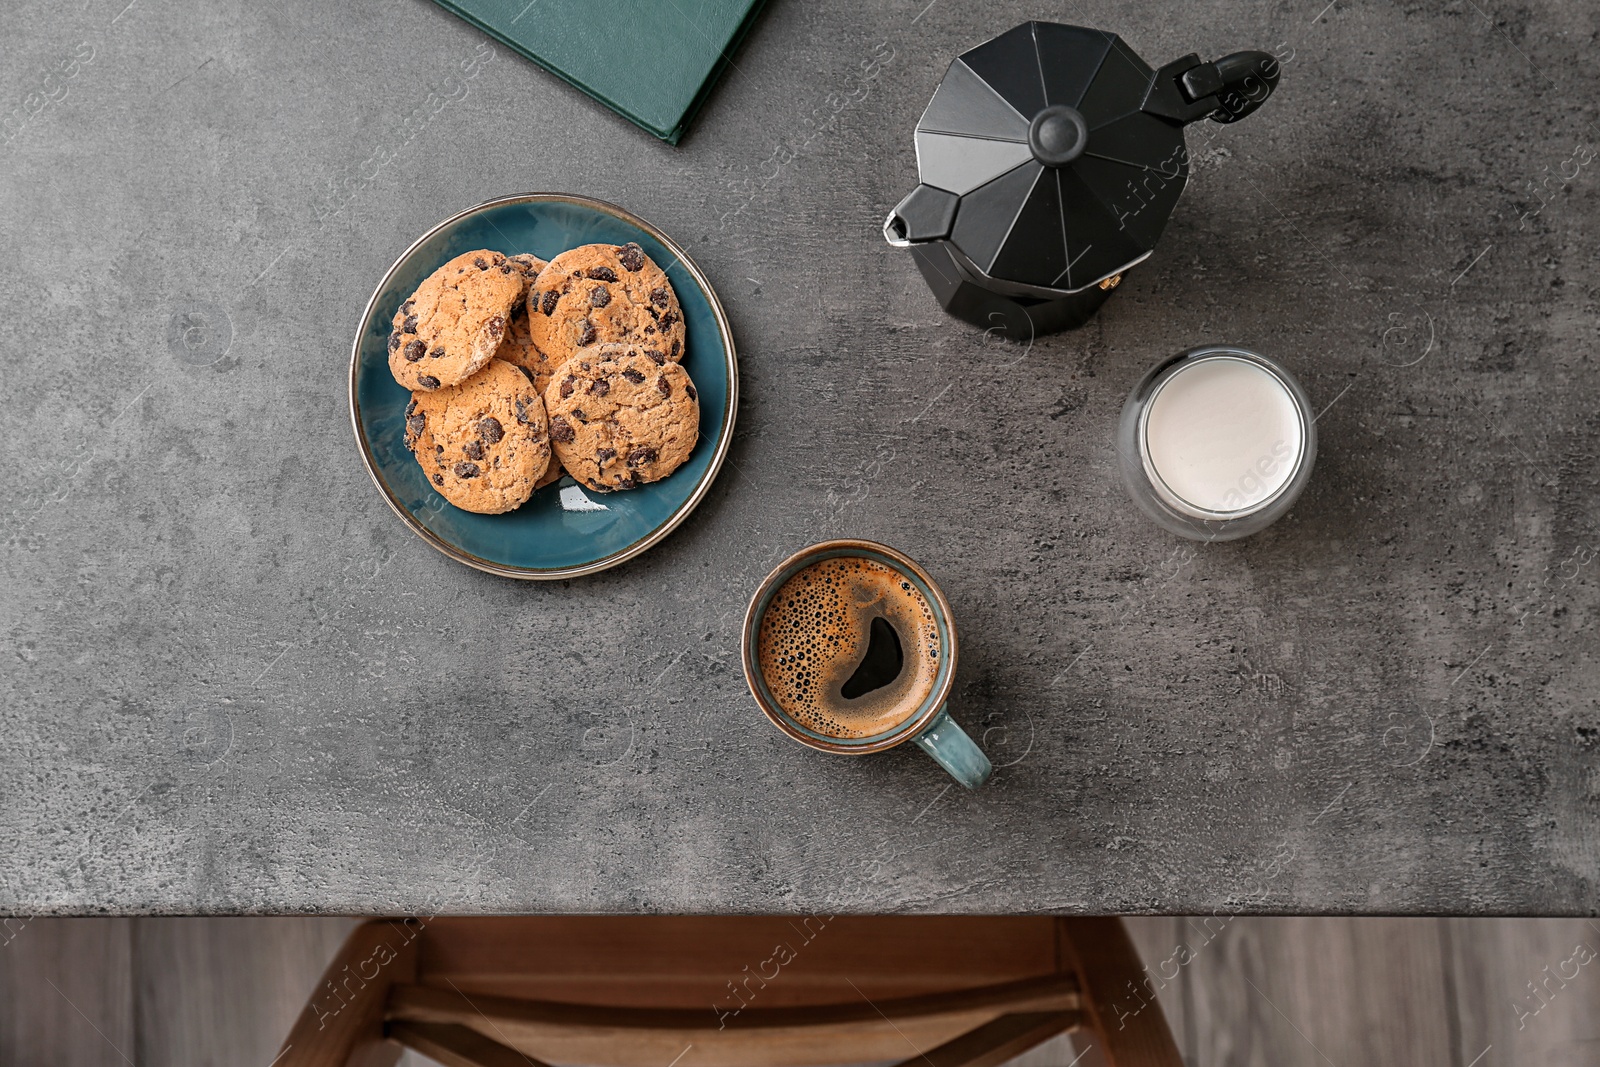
point(1223, 435)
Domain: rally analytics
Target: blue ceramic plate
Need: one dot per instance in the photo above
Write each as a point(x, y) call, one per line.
point(565, 530)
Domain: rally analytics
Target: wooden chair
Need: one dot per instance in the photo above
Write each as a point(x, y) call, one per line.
point(730, 992)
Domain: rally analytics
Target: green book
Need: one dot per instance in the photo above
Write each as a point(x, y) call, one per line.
point(651, 61)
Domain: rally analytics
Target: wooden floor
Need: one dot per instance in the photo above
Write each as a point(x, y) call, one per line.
point(1269, 992)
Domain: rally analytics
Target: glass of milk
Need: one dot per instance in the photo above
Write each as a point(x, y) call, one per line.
point(1216, 443)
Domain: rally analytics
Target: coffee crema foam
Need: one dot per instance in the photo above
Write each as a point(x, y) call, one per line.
point(815, 634)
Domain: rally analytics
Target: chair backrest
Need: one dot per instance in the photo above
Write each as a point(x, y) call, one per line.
point(710, 991)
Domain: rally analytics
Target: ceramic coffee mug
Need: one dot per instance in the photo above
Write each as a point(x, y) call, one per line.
point(929, 725)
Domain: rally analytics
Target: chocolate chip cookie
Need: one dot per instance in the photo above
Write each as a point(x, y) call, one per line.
point(452, 325)
point(604, 294)
point(619, 417)
point(552, 473)
point(518, 347)
point(528, 264)
point(484, 443)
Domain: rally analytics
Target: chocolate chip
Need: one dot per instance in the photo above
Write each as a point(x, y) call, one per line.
point(415, 350)
point(438, 479)
point(438, 450)
point(626, 483)
point(415, 424)
point(473, 449)
point(496, 326)
point(578, 414)
point(567, 386)
point(689, 388)
point(410, 325)
point(599, 296)
point(548, 301)
point(466, 470)
point(497, 257)
point(677, 346)
point(657, 356)
point(491, 429)
point(516, 305)
point(602, 274)
point(649, 329)
point(632, 256)
point(658, 297)
point(605, 454)
point(586, 335)
point(479, 263)
point(438, 351)
point(408, 305)
point(523, 403)
point(600, 387)
point(668, 319)
point(583, 364)
point(411, 405)
point(505, 268)
point(663, 386)
point(428, 381)
point(640, 456)
point(394, 341)
point(634, 376)
point(561, 430)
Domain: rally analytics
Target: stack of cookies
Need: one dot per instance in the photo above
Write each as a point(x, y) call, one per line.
point(520, 369)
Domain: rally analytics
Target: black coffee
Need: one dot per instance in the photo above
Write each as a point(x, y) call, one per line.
point(881, 665)
point(849, 647)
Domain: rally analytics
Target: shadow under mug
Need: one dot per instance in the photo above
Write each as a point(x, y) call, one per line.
point(930, 726)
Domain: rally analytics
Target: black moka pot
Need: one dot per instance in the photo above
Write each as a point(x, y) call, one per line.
point(1049, 160)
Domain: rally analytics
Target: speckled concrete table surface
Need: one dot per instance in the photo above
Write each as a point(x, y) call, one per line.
point(235, 683)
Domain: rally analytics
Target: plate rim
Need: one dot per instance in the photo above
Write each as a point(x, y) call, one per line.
point(649, 540)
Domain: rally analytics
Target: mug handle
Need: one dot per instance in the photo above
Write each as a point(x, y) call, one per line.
point(953, 750)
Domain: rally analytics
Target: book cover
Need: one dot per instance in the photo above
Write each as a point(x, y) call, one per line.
point(651, 61)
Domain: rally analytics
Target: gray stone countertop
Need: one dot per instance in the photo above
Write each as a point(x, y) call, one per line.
point(235, 683)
